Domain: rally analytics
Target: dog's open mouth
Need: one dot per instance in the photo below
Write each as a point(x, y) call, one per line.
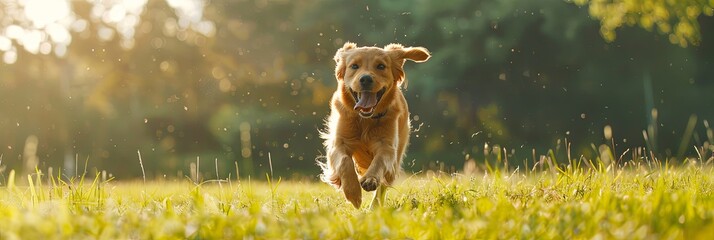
point(366, 101)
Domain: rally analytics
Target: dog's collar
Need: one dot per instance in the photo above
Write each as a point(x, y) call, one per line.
point(379, 115)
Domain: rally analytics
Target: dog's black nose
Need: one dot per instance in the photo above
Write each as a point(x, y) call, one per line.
point(366, 82)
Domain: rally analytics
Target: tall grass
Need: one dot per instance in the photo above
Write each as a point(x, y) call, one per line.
point(632, 201)
point(617, 194)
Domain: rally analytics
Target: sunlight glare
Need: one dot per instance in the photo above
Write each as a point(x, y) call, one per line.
point(190, 13)
point(31, 40)
point(122, 15)
point(44, 12)
point(5, 44)
point(192, 10)
point(59, 34)
point(10, 57)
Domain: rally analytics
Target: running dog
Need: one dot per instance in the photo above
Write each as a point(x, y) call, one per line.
point(368, 126)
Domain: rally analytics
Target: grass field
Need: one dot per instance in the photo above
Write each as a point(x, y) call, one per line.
point(635, 202)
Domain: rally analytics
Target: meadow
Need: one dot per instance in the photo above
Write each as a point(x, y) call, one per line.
point(650, 200)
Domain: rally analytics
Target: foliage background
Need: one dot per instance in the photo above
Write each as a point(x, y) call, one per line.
point(244, 83)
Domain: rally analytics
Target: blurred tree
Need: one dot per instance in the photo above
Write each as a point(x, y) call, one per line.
point(238, 80)
point(676, 19)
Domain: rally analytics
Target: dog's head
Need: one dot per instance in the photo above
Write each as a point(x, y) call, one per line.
point(368, 75)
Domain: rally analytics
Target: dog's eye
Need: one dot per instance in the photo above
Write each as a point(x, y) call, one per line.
point(381, 66)
point(354, 66)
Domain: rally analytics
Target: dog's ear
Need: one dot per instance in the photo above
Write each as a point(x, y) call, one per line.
point(340, 65)
point(399, 54)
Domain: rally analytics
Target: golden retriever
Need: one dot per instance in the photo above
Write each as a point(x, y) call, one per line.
point(368, 127)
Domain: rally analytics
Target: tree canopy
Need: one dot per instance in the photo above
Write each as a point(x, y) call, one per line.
point(678, 20)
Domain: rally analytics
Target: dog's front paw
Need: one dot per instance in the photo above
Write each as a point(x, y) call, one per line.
point(369, 183)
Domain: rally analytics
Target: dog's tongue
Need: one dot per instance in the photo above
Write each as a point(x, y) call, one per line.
point(367, 101)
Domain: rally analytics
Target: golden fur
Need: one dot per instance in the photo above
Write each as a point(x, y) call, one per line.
point(365, 145)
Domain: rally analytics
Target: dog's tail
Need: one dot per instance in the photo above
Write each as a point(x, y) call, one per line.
point(328, 174)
